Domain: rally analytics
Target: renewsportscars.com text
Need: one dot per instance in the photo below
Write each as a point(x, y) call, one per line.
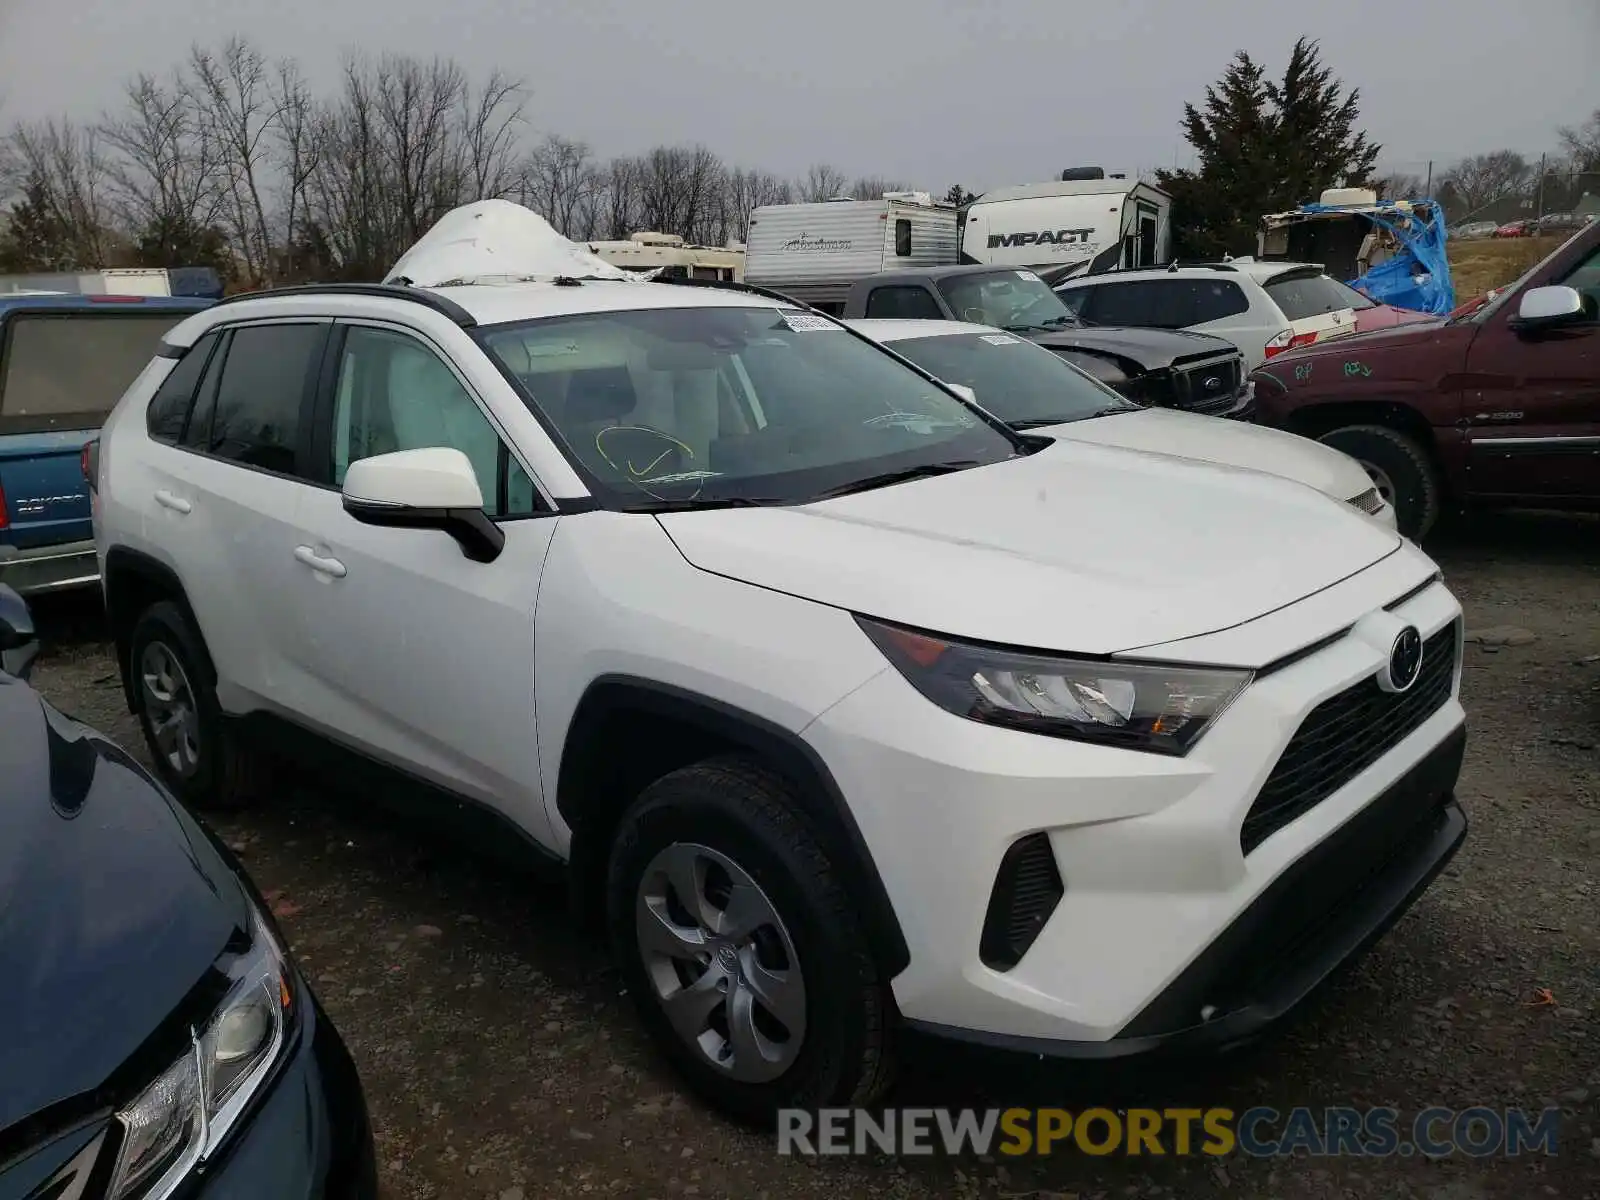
point(1259, 1132)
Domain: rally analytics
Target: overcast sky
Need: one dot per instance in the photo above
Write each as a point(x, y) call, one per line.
point(928, 91)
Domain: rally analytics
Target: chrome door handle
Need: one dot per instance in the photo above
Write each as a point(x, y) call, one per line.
point(176, 503)
point(322, 566)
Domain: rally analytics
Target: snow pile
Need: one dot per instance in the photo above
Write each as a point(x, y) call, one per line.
point(496, 241)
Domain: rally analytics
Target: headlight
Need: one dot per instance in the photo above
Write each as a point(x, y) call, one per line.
point(1134, 706)
point(181, 1118)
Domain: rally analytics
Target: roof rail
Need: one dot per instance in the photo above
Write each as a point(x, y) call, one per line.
point(392, 291)
point(738, 285)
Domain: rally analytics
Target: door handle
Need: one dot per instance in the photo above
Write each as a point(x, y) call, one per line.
point(322, 566)
point(176, 503)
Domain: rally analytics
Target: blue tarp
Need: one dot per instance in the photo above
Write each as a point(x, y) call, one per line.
point(1418, 276)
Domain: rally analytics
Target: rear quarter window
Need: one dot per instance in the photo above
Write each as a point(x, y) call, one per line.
point(67, 370)
point(1302, 296)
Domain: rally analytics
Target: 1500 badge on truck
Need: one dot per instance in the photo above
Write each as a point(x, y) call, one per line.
point(1497, 406)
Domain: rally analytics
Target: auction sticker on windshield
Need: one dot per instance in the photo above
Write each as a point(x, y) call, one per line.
point(806, 323)
point(1000, 339)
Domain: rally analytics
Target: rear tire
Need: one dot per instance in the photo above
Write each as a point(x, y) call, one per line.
point(1399, 467)
point(782, 941)
point(194, 749)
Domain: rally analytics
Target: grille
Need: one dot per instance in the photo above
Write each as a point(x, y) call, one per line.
point(1368, 501)
point(1207, 387)
point(1027, 889)
point(1343, 736)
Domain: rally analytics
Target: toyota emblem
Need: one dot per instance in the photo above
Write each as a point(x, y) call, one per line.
point(1213, 383)
point(1405, 659)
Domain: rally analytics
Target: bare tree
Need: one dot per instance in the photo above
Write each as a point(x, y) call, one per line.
point(1483, 179)
point(821, 182)
point(873, 187)
point(1582, 143)
point(1398, 185)
point(62, 174)
point(491, 124)
point(621, 204)
point(67, 166)
point(164, 173)
point(296, 152)
point(747, 190)
point(560, 180)
point(238, 110)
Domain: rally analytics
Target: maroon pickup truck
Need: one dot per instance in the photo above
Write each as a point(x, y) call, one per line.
point(1499, 406)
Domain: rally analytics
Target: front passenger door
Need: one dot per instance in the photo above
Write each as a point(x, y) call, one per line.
point(420, 656)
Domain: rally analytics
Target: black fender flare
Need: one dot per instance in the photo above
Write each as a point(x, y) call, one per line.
point(122, 566)
point(785, 750)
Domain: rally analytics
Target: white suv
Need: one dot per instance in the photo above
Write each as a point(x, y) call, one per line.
point(1264, 308)
point(848, 708)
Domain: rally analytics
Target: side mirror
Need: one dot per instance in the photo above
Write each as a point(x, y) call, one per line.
point(432, 488)
point(962, 390)
point(1548, 307)
point(19, 645)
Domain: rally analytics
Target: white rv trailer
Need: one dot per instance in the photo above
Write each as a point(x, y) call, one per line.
point(1071, 226)
point(814, 252)
point(672, 257)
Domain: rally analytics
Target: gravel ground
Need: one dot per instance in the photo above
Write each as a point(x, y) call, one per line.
point(501, 1061)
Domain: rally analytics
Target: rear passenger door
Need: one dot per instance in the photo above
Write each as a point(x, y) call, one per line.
point(233, 416)
point(409, 650)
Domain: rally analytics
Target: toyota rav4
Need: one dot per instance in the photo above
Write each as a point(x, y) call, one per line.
point(847, 707)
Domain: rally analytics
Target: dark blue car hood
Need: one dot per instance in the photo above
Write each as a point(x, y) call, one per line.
point(113, 906)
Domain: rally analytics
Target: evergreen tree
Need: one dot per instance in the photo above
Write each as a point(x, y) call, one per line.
point(1264, 145)
point(36, 238)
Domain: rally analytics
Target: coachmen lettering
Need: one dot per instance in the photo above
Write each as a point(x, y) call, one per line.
point(1043, 237)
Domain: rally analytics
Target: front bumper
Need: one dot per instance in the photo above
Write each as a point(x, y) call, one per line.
point(1148, 847)
point(40, 569)
point(1317, 917)
point(309, 1136)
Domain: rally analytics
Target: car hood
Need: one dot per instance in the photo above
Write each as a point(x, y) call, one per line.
point(116, 904)
point(1229, 443)
point(1076, 548)
point(1150, 348)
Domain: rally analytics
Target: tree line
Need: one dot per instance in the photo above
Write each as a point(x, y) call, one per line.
point(231, 160)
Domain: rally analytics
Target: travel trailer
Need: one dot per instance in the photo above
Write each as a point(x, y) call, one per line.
point(814, 252)
point(1085, 221)
point(670, 257)
point(200, 282)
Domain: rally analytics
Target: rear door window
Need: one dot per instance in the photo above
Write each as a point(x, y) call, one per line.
point(266, 379)
point(1215, 300)
point(67, 370)
point(1122, 304)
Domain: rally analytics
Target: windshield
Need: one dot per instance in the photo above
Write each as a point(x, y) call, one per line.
point(682, 406)
point(1015, 300)
point(1022, 384)
point(1302, 296)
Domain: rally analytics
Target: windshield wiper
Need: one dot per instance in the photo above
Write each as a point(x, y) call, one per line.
point(1040, 422)
point(695, 503)
point(888, 478)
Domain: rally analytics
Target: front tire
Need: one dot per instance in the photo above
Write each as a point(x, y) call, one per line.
point(1399, 467)
point(195, 752)
point(742, 949)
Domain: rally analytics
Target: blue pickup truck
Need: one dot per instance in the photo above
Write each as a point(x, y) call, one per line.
point(65, 360)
